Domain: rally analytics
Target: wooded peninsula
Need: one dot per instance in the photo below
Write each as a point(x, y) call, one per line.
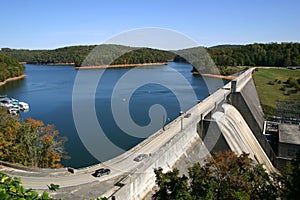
point(271, 54)
point(228, 58)
point(10, 69)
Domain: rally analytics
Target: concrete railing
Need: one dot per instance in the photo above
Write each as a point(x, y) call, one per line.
point(34, 171)
point(142, 179)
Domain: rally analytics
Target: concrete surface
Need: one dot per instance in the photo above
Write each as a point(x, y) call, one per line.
point(289, 133)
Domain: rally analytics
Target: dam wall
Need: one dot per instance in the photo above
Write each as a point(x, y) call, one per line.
point(239, 136)
point(247, 102)
point(138, 184)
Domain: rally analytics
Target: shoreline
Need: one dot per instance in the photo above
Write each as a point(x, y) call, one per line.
point(12, 79)
point(121, 65)
point(219, 76)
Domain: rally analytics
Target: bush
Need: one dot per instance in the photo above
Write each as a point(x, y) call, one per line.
point(283, 88)
point(10, 188)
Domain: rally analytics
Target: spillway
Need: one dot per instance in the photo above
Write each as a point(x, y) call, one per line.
point(239, 136)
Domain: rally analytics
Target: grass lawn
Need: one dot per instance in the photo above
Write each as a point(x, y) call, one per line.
point(269, 84)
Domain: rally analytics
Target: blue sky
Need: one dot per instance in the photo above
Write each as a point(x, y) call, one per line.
point(49, 24)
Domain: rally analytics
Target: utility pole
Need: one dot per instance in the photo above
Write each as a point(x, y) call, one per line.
point(181, 119)
point(163, 122)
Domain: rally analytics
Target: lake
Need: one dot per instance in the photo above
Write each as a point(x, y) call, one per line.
point(49, 90)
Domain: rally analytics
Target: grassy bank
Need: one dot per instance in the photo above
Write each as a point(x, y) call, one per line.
point(272, 85)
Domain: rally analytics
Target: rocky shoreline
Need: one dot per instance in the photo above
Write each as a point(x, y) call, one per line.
point(219, 76)
point(121, 65)
point(12, 79)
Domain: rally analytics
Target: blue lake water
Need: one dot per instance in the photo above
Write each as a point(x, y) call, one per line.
point(49, 89)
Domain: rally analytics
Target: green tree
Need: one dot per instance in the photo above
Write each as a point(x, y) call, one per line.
point(9, 68)
point(291, 175)
point(171, 185)
point(10, 188)
point(224, 176)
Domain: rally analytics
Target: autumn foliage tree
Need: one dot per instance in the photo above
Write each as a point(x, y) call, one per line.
point(29, 142)
point(224, 176)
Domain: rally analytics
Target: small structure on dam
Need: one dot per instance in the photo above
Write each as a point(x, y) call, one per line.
point(288, 143)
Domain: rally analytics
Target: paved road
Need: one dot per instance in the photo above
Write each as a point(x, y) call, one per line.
point(120, 165)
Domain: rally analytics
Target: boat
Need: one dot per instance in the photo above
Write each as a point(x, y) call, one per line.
point(13, 105)
point(23, 106)
point(13, 111)
point(5, 102)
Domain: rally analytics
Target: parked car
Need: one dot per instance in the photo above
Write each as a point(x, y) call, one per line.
point(140, 157)
point(101, 172)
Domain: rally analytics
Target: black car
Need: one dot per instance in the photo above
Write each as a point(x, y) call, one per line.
point(100, 172)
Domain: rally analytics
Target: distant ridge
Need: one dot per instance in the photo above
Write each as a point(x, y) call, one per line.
point(258, 54)
point(226, 46)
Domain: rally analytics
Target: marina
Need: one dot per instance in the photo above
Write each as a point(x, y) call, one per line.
point(13, 106)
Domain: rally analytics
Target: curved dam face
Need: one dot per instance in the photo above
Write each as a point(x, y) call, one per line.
point(239, 136)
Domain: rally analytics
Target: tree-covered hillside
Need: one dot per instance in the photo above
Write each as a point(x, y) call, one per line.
point(273, 54)
point(71, 55)
point(145, 55)
point(228, 57)
point(9, 68)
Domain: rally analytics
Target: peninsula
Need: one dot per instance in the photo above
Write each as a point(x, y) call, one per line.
point(10, 70)
point(12, 79)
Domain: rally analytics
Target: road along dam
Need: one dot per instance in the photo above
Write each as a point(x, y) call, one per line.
point(214, 124)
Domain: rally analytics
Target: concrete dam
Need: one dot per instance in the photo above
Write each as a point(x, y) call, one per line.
point(229, 119)
point(239, 136)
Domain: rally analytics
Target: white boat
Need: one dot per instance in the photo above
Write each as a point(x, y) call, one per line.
point(13, 105)
point(13, 111)
point(7, 105)
point(23, 105)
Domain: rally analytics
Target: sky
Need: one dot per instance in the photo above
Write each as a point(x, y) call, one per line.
point(50, 24)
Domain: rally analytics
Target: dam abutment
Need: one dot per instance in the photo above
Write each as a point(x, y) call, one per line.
point(246, 101)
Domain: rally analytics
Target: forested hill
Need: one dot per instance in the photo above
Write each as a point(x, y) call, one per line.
point(272, 54)
point(145, 55)
point(61, 55)
point(9, 68)
point(226, 46)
